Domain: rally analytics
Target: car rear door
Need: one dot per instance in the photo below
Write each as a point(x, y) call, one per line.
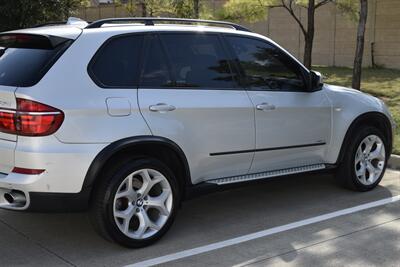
point(189, 95)
point(293, 124)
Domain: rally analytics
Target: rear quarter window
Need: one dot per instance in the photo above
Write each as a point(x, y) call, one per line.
point(116, 63)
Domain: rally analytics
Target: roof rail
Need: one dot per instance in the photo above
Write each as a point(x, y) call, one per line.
point(150, 22)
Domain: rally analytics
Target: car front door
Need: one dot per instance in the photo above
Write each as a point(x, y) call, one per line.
point(293, 124)
point(189, 95)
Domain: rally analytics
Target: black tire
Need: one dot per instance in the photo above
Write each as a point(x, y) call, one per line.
point(346, 173)
point(102, 201)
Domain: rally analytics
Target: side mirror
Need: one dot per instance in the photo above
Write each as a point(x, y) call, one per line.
point(316, 80)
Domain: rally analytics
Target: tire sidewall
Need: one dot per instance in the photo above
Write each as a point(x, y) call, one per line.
point(109, 193)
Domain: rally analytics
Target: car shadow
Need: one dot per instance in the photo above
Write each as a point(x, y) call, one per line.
point(200, 221)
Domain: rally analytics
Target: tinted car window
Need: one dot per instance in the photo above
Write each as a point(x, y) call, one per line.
point(155, 71)
point(116, 64)
point(24, 67)
point(266, 66)
point(198, 60)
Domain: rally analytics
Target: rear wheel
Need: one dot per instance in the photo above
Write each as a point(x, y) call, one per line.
point(365, 160)
point(136, 204)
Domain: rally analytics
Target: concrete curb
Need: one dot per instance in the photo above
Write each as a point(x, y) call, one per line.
point(394, 162)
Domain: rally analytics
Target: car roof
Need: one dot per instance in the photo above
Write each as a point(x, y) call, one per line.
point(74, 27)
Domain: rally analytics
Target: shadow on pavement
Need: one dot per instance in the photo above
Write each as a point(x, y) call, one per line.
point(207, 219)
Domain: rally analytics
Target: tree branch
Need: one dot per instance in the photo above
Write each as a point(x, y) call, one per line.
point(291, 11)
point(275, 6)
point(324, 2)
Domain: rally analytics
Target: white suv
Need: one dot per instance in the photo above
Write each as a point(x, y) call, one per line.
point(127, 117)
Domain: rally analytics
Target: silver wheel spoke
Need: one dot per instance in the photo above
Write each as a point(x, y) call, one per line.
point(361, 171)
point(372, 171)
point(369, 144)
point(142, 226)
point(128, 192)
point(159, 202)
point(359, 155)
point(377, 153)
point(145, 223)
point(148, 182)
point(363, 178)
point(126, 215)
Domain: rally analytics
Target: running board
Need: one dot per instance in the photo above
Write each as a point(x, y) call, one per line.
point(265, 175)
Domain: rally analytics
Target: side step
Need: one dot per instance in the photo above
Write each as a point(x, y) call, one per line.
point(264, 175)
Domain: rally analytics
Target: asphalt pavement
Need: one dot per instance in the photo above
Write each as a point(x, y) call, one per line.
point(358, 237)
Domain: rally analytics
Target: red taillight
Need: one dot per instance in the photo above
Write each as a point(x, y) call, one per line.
point(7, 122)
point(30, 119)
point(26, 171)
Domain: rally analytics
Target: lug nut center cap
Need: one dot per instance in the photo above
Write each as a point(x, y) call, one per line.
point(139, 202)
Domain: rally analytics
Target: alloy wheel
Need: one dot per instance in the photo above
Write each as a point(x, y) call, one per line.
point(142, 204)
point(370, 159)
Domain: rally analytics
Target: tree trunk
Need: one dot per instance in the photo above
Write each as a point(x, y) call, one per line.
point(196, 7)
point(309, 36)
point(357, 68)
point(144, 8)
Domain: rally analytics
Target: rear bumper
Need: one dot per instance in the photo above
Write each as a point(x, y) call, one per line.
point(49, 202)
point(59, 202)
point(60, 186)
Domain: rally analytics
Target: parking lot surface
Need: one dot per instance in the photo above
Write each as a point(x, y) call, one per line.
point(368, 237)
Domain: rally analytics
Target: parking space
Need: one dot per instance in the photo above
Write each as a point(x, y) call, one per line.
point(367, 237)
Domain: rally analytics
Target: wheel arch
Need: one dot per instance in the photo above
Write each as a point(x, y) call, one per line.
point(141, 145)
point(375, 119)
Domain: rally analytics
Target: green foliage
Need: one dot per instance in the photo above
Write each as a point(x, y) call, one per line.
point(256, 10)
point(15, 14)
point(245, 10)
point(173, 8)
point(350, 8)
point(183, 9)
point(158, 7)
point(130, 6)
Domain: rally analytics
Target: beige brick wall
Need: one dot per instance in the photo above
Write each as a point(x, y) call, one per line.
point(335, 36)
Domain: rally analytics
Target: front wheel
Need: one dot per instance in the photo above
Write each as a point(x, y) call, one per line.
point(365, 160)
point(135, 204)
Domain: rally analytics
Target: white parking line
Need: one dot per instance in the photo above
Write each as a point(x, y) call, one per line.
point(264, 233)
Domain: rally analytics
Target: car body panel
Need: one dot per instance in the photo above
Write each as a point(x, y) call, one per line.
point(299, 120)
point(347, 106)
point(204, 122)
point(6, 156)
point(65, 165)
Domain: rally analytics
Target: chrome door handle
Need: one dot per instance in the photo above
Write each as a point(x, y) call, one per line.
point(265, 106)
point(162, 108)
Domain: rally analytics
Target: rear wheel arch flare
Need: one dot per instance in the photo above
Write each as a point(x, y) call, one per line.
point(152, 146)
point(375, 119)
